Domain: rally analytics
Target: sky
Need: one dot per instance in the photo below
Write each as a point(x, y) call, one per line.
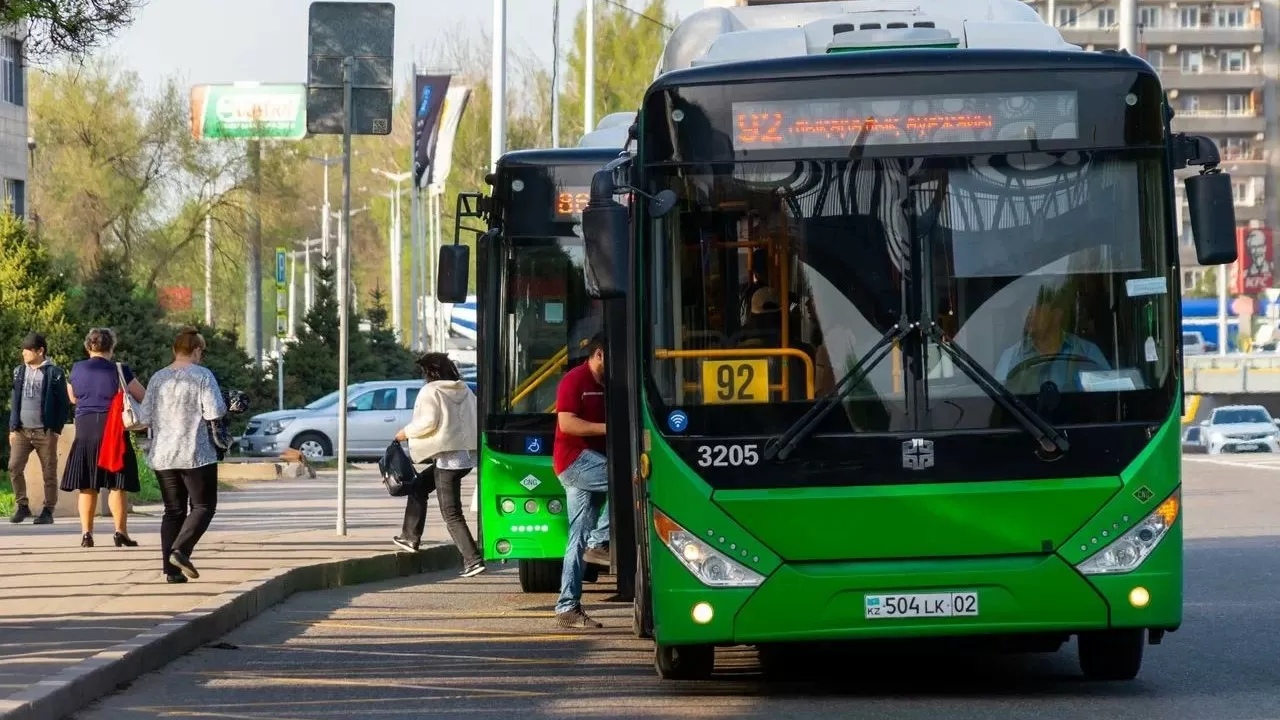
point(217, 41)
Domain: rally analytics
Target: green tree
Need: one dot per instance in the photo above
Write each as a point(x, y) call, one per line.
point(68, 26)
point(628, 45)
point(395, 361)
point(311, 362)
point(33, 296)
point(117, 171)
point(110, 298)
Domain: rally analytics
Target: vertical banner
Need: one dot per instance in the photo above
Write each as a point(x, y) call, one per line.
point(1253, 271)
point(455, 103)
point(282, 295)
point(429, 92)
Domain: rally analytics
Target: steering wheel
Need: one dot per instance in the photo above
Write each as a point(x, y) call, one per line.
point(1038, 360)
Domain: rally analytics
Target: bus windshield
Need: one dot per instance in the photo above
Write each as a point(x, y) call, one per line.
point(1048, 270)
point(545, 319)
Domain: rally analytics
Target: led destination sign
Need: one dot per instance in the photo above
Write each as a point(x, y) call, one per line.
point(570, 202)
point(904, 120)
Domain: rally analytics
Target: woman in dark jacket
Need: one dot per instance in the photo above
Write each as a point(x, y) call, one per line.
point(92, 388)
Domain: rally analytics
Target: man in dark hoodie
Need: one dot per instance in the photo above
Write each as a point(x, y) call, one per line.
point(37, 414)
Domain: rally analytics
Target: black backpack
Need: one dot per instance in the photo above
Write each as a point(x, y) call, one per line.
point(398, 474)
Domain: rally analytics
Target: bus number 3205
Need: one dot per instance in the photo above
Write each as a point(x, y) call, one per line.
point(727, 455)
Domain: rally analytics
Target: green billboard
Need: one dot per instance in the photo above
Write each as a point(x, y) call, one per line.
point(249, 110)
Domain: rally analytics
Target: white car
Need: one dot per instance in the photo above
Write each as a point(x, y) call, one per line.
point(1240, 428)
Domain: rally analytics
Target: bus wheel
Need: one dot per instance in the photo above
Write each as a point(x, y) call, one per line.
point(684, 662)
point(540, 576)
point(1111, 654)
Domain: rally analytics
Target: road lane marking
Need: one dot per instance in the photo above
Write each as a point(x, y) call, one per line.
point(490, 634)
point(255, 679)
point(384, 653)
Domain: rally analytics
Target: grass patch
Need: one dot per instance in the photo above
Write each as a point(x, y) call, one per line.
point(6, 495)
point(150, 492)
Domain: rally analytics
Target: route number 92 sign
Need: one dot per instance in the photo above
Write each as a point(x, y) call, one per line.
point(735, 381)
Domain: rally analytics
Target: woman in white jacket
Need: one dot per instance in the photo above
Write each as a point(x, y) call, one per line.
point(444, 430)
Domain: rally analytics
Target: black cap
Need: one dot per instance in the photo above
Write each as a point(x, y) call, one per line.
point(34, 341)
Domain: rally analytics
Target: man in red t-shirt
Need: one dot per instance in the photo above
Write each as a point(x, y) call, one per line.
point(579, 461)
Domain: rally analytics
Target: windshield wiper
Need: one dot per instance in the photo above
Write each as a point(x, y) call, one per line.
point(1047, 435)
point(782, 445)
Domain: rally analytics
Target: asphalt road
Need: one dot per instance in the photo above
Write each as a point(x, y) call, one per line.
point(441, 647)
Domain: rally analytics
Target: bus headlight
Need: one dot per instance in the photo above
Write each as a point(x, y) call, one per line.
point(708, 564)
point(554, 507)
point(508, 505)
point(1129, 550)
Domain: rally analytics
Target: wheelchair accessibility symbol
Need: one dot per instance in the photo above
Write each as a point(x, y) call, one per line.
point(533, 445)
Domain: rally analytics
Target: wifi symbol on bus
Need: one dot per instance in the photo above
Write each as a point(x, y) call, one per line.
point(677, 421)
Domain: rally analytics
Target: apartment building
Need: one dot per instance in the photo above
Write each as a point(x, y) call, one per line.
point(1218, 63)
point(14, 150)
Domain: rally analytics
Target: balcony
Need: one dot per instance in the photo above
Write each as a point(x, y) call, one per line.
point(1243, 165)
point(1159, 38)
point(1217, 122)
point(1174, 79)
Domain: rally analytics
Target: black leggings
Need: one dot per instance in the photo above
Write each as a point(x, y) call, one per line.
point(180, 530)
point(449, 496)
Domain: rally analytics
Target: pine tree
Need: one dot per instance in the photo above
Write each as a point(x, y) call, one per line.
point(311, 363)
point(393, 361)
point(110, 298)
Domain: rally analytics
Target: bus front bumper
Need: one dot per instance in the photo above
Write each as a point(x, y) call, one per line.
point(832, 601)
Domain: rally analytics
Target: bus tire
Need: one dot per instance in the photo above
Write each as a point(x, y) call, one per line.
point(540, 576)
point(684, 662)
point(1111, 654)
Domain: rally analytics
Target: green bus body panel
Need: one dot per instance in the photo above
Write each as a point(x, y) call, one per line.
point(1021, 587)
point(912, 521)
point(1157, 469)
point(500, 475)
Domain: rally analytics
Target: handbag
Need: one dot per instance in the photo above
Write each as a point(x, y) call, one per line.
point(131, 412)
point(398, 474)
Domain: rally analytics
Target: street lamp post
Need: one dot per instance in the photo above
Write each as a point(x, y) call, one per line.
point(326, 162)
point(351, 282)
point(396, 249)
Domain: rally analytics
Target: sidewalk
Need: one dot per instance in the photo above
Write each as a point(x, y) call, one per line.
point(65, 612)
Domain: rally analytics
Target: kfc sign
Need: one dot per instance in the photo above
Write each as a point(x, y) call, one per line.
point(1252, 272)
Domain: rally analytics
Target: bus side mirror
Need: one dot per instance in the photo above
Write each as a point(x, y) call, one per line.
point(606, 228)
point(1209, 198)
point(451, 273)
point(1213, 217)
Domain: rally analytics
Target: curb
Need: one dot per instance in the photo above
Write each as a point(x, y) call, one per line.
point(104, 673)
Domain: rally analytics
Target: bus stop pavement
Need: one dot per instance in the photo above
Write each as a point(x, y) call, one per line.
point(76, 623)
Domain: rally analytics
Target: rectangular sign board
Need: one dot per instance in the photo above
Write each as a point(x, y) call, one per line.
point(282, 294)
point(249, 110)
point(364, 32)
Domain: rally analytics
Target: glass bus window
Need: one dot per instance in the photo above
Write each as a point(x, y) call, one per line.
point(547, 315)
point(762, 302)
point(1050, 271)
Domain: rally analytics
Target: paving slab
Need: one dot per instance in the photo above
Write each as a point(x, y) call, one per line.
point(72, 619)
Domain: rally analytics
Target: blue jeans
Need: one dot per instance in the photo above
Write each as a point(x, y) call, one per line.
point(586, 487)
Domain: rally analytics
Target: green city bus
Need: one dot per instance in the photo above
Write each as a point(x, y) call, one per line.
point(893, 337)
point(905, 343)
point(533, 319)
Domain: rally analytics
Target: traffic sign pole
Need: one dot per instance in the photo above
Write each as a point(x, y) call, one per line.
point(351, 47)
point(282, 322)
